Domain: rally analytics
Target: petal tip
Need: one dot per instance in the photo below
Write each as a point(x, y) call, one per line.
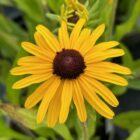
point(83, 119)
point(102, 26)
point(129, 71)
point(24, 44)
point(123, 52)
point(38, 26)
point(112, 115)
point(15, 86)
point(125, 83)
point(116, 103)
point(27, 105)
point(117, 43)
point(11, 72)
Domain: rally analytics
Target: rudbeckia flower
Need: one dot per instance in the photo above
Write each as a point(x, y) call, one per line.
point(70, 69)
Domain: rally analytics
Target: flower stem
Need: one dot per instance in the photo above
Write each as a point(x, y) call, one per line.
point(113, 15)
point(110, 21)
point(114, 8)
point(85, 131)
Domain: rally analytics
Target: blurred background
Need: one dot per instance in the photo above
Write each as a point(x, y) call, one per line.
point(18, 19)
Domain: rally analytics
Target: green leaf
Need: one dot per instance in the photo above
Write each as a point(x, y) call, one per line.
point(127, 59)
point(73, 122)
point(126, 27)
point(135, 135)
point(108, 17)
point(4, 69)
point(41, 138)
point(30, 24)
point(118, 90)
point(93, 23)
point(28, 119)
point(21, 115)
point(11, 40)
point(4, 138)
point(55, 6)
point(6, 50)
point(134, 84)
point(63, 131)
point(46, 132)
point(52, 16)
point(91, 121)
point(94, 6)
point(128, 120)
point(32, 9)
point(137, 68)
point(10, 37)
point(13, 94)
point(6, 2)
point(127, 10)
point(11, 28)
point(6, 132)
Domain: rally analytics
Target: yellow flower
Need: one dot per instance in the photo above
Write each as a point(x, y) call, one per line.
point(70, 68)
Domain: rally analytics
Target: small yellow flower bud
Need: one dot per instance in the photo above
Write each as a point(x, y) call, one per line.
point(72, 11)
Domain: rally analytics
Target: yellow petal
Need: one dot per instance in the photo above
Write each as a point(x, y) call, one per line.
point(109, 67)
point(33, 79)
point(49, 94)
point(94, 100)
point(97, 33)
point(40, 41)
point(54, 108)
point(92, 39)
point(66, 98)
point(28, 60)
point(79, 102)
point(85, 34)
point(103, 91)
point(33, 49)
point(33, 69)
point(107, 77)
point(100, 56)
point(49, 38)
point(38, 94)
point(105, 45)
point(76, 31)
point(64, 36)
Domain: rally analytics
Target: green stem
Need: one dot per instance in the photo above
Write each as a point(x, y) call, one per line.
point(85, 131)
point(111, 20)
point(113, 16)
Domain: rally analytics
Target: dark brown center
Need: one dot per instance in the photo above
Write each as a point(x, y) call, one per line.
point(74, 18)
point(68, 64)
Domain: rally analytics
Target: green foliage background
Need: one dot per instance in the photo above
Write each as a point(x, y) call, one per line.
point(47, 12)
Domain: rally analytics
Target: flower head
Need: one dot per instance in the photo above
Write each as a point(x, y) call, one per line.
point(73, 11)
point(70, 68)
